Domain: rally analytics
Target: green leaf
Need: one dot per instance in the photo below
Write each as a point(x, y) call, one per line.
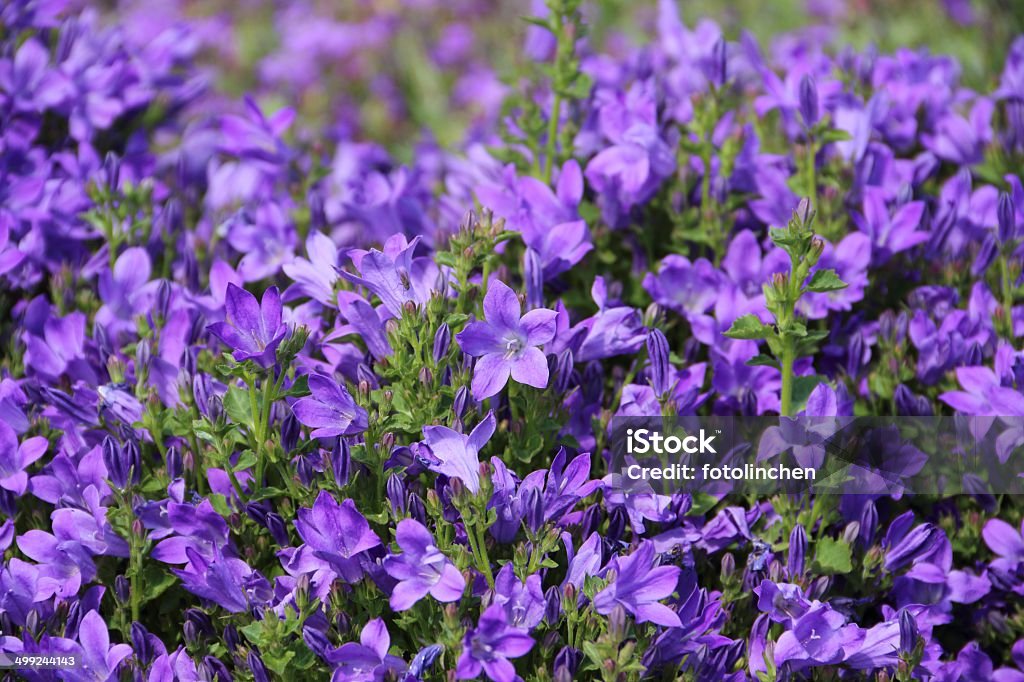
point(220, 504)
point(156, 580)
point(749, 327)
point(835, 135)
point(236, 404)
point(298, 389)
point(246, 460)
point(832, 557)
point(762, 360)
point(802, 388)
point(823, 281)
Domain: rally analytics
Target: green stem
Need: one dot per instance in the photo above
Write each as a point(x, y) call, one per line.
point(549, 152)
point(1007, 291)
point(788, 357)
point(812, 173)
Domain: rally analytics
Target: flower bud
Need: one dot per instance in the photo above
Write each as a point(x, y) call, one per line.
point(552, 605)
point(728, 565)
point(974, 356)
point(908, 632)
point(661, 366)
point(216, 670)
point(850, 532)
point(231, 638)
point(112, 171)
point(567, 662)
point(396, 494)
point(617, 521)
point(316, 640)
point(141, 643)
point(808, 101)
point(797, 551)
point(909, 404)
point(534, 507)
point(816, 249)
point(804, 212)
point(442, 341)
point(289, 432)
point(426, 377)
point(341, 462)
point(720, 64)
point(986, 255)
point(122, 589)
point(416, 508)
point(1007, 218)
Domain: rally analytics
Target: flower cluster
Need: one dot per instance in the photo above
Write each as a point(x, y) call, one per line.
point(326, 389)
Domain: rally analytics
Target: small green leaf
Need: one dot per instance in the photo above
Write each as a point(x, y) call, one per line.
point(762, 360)
point(246, 460)
point(749, 327)
point(802, 388)
point(835, 135)
point(823, 281)
point(298, 389)
point(236, 404)
point(832, 557)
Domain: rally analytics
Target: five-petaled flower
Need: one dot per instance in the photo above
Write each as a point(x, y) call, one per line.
point(506, 343)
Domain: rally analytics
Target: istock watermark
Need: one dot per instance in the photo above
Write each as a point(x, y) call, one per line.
point(826, 455)
point(644, 441)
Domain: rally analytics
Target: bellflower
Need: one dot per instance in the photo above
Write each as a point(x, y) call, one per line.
point(367, 661)
point(394, 275)
point(331, 411)
point(98, 658)
point(457, 455)
point(506, 342)
point(254, 330)
point(488, 647)
point(336, 533)
point(421, 568)
point(639, 586)
point(15, 458)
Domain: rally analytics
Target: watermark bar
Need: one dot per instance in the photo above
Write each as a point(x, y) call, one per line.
point(825, 455)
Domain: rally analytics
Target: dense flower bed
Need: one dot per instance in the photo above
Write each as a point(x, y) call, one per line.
point(279, 401)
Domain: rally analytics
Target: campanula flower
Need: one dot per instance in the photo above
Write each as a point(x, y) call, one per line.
point(457, 455)
point(254, 330)
point(506, 342)
point(639, 586)
point(488, 647)
point(330, 411)
point(421, 568)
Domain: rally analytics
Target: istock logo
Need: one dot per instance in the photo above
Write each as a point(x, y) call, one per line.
point(644, 441)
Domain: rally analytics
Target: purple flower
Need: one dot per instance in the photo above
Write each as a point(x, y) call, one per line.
point(336, 533)
point(367, 661)
point(487, 647)
point(253, 330)
point(962, 141)
point(890, 234)
point(226, 581)
point(457, 455)
point(639, 585)
point(316, 276)
point(394, 275)
point(421, 568)
point(98, 659)
point(15, 458)
point(331, 411)
point(983, 395)
point(506, 342)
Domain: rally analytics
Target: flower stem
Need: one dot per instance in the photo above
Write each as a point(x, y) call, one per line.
point(786, 400)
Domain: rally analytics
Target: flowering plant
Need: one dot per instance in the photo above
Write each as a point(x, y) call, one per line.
point(319, 381)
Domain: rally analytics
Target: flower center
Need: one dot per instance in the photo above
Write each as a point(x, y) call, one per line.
point(513, 346)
